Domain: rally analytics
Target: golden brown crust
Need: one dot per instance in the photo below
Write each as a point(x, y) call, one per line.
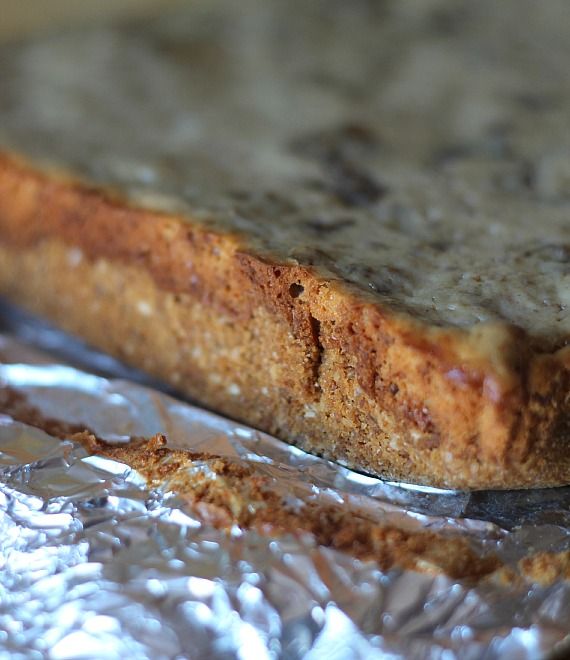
point(278, 346)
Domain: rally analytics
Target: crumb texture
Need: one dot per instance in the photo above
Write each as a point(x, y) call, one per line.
point(332, 376)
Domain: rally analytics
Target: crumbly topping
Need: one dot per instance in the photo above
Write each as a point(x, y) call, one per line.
point(546, 567)
point(417, 150)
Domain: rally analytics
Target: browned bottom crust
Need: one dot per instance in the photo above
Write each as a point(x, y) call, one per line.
point(282, 349)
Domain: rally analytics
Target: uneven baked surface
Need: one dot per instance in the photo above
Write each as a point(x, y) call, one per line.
point(276, 213)
point(414, 149)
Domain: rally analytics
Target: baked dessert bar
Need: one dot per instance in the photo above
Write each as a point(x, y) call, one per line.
point(347, 224)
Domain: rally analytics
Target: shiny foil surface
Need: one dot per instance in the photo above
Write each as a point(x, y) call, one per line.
point(96, 565)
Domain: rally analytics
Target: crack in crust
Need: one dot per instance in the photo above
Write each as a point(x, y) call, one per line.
point(345, 377)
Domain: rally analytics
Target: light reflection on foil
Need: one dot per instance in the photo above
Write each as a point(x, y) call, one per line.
point(94, 565)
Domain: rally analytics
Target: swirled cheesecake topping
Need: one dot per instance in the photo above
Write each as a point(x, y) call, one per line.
point(418, 150)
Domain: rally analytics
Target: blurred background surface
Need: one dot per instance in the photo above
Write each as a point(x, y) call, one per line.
point(19, 18)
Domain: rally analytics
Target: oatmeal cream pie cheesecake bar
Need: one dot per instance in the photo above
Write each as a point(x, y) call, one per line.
point(347, 224)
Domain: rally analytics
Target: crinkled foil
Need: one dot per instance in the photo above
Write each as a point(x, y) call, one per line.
point(95, 565)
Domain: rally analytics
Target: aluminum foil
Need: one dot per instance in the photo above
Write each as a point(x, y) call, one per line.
point(96, 565)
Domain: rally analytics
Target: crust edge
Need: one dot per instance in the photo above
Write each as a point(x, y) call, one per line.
point(481, 395)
